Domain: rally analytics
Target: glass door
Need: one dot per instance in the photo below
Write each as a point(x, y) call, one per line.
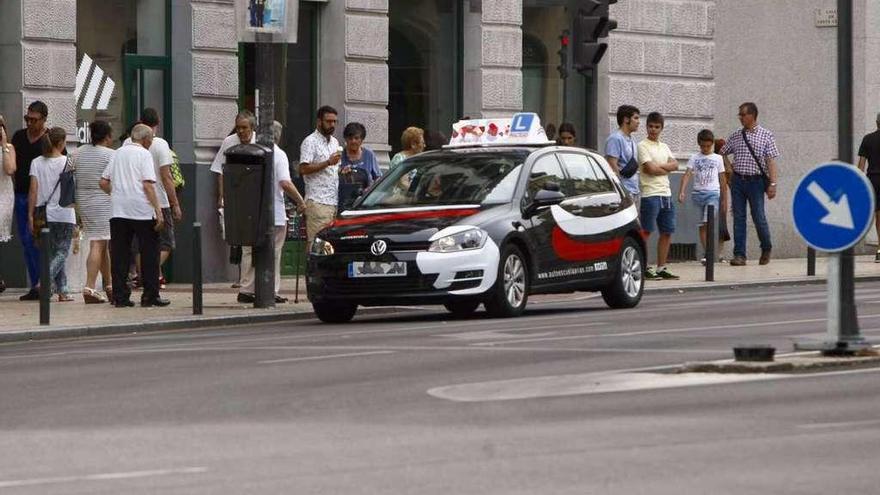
point(147, 83)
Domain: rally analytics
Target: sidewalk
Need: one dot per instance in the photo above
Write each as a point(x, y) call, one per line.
point(20, 320)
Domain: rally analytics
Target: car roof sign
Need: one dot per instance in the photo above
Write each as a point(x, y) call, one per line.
point(521, 129)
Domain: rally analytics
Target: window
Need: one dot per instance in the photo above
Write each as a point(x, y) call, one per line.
point(585, 176)
point(546, 170)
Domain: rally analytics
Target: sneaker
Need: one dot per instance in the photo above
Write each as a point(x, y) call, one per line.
point(703, 261)
point(665, 274)
point(765, 257)
point(877, 257)
point(280, 299)
point(738, 261)
point(651, 274)
point(244, 297)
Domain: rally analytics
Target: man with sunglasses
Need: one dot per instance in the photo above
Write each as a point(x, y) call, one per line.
point(28, 143)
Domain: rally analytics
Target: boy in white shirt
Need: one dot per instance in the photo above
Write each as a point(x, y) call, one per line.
point(710, 183)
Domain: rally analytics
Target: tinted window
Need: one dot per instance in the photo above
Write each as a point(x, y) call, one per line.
point(449, 178)
point(585, 176)
point(546, 169)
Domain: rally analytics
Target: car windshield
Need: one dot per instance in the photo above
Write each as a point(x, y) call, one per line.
point(449, 178)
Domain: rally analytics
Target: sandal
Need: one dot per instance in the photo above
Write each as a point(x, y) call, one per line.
point(108, 289)
point(65, 298)
point(91, 296)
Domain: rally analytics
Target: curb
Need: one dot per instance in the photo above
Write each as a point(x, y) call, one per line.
point(789, 365)
point(70, 332)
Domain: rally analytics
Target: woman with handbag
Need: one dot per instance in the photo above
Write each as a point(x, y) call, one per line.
point(7, 189)
point(46, 197)
point(94, 208)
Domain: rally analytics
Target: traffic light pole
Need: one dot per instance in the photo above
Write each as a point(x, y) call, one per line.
point(264, 251)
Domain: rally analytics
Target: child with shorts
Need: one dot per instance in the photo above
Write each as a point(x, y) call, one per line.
point(710, 183)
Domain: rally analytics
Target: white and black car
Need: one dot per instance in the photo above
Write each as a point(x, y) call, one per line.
point(500, 214)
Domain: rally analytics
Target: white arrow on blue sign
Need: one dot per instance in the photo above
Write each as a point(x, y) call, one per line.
point(833, 206)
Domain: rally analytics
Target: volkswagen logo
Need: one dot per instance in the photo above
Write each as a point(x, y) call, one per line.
point(378, 248)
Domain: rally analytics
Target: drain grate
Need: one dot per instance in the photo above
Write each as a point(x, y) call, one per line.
point(682, 252)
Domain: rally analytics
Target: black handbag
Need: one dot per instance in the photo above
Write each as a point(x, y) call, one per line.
point(630, 168)
point(755, 157)
point(67, 183)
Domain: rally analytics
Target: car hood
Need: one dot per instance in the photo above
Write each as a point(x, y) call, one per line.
point(400, 225)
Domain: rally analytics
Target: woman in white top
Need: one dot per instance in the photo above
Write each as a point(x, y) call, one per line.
point(94, 208)
point(7, 190)
point(45, 172)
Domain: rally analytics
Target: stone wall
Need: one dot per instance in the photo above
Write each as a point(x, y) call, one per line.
point(662, 58)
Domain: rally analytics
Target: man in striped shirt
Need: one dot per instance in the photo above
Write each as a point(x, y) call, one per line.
point(748, 185)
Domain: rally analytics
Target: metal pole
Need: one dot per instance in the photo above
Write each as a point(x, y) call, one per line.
point(45, 283)
point(264, 251)
point(197, 269)
point(811, 262)
point(710, 243)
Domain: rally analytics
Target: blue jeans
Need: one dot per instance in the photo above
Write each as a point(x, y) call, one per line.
point(31, 252)
point(60, 235)
point(749, 189)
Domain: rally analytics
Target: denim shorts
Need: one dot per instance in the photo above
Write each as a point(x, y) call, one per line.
point(658, 211)
point(702, 199)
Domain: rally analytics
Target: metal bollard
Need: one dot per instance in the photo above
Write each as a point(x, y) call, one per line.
point(710, 243)
point(45, 283)
point(811, 262)
point(197, 269)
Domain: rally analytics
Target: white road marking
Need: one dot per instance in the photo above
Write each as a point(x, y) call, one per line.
point(329, 356)
point(587, 383)
point(101, 477)
point(845, 424)
point(668, 330)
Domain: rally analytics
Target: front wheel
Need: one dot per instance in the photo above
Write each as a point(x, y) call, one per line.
point(511, 291)
point(626, 288)
point(335, 312)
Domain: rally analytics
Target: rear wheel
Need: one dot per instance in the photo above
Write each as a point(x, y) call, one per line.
point(626, 288)
point(462, 308)
point(511, 291)
point(335, 312)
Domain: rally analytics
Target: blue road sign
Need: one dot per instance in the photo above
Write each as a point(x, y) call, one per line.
point(833, 206)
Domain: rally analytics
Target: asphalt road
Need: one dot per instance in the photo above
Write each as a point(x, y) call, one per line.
point(571, 398)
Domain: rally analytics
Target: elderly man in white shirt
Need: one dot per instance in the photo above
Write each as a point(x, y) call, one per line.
point(283, 184)
point(130, 180)
point(319, 158)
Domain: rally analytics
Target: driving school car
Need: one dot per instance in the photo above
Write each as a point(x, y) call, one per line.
point(498, 214)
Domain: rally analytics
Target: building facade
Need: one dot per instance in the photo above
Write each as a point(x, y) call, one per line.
point(390, 64)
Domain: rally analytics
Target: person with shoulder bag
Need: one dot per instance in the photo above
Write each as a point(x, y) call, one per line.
point(7, 188)
point(50, 202)
point(754, 175)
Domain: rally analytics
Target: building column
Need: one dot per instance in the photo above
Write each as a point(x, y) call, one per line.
point(354, 67)
point(205, 95)
point(492, 58)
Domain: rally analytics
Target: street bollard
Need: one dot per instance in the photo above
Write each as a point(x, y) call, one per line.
point(710, 243)
point(45, 283)
point(811, 262)
point(197, 269)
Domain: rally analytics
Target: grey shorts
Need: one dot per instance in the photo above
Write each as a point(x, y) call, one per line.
point(166, 235)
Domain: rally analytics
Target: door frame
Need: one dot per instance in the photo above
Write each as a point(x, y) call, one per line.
point(133, 66)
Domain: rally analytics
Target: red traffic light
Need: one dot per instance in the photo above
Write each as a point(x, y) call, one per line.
point(565, 40)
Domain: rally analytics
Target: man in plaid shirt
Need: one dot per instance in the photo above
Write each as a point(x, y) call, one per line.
point(747, 184)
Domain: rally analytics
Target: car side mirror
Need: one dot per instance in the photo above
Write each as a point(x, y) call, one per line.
point(543, 198)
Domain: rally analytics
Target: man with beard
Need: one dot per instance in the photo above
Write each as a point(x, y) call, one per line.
point(319, 158)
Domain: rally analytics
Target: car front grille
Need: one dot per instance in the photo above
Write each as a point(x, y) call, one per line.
point(363, 247)
point(378, 286)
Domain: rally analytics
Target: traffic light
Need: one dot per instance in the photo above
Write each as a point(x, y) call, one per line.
point(591, 23)
point(564, 41)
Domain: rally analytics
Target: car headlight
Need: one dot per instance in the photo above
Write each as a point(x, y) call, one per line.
point(462, 241)
point(320, 247)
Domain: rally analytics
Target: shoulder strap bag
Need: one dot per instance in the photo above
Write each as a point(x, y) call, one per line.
point(67, 181)
point(758, 162)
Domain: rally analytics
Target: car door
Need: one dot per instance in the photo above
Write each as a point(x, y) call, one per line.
point(546, 173)
point(592, 223)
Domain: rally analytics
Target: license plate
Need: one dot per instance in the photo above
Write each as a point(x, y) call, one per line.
point(362, 269)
